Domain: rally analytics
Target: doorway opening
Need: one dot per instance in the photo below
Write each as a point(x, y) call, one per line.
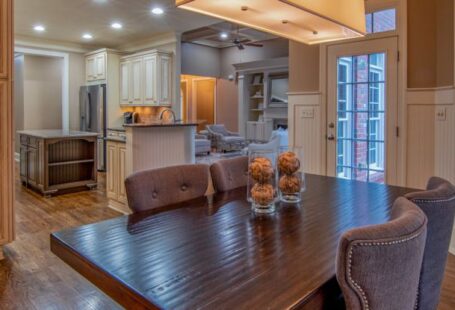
point(199, 99)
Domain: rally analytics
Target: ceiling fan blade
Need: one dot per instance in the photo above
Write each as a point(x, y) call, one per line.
point(255, 44)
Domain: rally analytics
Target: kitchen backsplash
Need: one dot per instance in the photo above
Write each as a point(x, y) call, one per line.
point(147, 114)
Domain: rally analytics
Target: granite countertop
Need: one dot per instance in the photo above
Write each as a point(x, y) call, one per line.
point(120, 129)
point(56, 133)
point(116, 139)
point(162, 124)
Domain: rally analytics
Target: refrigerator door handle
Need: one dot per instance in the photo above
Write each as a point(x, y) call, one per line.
point(101, 124)
point(88, 115)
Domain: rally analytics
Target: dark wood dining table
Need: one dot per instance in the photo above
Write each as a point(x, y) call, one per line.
point(215, 253)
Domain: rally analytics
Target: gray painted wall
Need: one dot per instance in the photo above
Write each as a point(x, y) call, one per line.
point(232, 55)
point(200, 60)
point(213, 62)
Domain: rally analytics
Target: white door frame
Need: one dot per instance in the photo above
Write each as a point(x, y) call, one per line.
point(390, 47)
point(65, 77)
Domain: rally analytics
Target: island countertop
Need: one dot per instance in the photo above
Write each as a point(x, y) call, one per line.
point(56, 133)
point(161, 124)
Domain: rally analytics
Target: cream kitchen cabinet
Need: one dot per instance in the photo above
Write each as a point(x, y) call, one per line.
point(95, 66)
point(146, 79)
point(115, 177)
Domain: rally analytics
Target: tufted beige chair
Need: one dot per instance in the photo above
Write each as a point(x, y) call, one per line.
point(228, 174)
point(151, 189)
point(378, 266)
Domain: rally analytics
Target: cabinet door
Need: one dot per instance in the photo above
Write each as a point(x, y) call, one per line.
point(90, 68)
point(121, 175)
point(150, 80)
point(4, 29)
point(125, 82)
point(136, 81)
point(100, 66)
point(33, 166)
point(23, 162)
point(164, 80)
point(112, 173)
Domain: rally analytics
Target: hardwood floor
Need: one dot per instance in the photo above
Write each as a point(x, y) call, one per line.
point(31, 277)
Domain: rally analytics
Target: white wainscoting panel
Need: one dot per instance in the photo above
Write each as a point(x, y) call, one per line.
point(157, 147)
point(304, 117)
point(420, 145)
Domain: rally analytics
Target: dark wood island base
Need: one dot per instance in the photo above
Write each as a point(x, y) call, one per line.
point(53, 161)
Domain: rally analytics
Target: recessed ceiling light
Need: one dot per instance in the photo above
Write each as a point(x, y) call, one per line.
point(157, 11)
point(39, 28)
point(116, 25)
point(87, 36)
point(224, 35)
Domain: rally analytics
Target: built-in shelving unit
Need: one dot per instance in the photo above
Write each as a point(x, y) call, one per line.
point(257, 119)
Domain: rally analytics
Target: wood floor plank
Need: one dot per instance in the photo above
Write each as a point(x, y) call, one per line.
point(31, 277)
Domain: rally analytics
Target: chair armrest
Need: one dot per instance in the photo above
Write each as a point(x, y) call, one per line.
point(200, 137)
point(231, 133)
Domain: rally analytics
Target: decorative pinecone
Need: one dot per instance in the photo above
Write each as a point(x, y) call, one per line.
point(288, 163)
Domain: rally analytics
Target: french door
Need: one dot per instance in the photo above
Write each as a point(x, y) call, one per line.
point(362, 110)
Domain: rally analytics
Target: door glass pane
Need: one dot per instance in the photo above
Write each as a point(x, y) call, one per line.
point(361, 117)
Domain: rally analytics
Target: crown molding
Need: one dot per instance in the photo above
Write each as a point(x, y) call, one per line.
point(32, 42)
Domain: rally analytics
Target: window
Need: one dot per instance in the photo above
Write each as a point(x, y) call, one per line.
point(361, 117)
point(381, 21)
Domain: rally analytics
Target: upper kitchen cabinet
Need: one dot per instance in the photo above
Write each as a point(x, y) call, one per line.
point(146, 79)
point(96, 67)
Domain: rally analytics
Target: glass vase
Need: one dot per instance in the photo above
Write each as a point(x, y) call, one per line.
point(262, 181)
point(291, 178)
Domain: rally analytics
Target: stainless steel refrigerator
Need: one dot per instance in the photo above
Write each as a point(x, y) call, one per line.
point(92, 105)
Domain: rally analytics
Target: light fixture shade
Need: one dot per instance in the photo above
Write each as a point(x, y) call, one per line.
point(306, 21)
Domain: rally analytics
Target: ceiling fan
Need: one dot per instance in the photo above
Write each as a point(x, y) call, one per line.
point(240, 44)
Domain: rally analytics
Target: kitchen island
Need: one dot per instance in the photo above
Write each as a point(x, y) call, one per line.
point(57, 160)
point(159, 144)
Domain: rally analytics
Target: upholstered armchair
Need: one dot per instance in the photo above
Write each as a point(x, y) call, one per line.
point(151, 189)
point(202, 144)
point(438, 204)
point(224, 140)
point(378, 266)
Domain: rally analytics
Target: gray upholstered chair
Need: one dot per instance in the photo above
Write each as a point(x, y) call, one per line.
point(202, 145)
point(438, 204)
point(155, 188)
point(224, 140)
point(378, 266)
point(230, 173)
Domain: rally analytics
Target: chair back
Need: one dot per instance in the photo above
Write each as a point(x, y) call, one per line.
point(273, 144)
point(438, 204)
point(218, 128)
point(228, 174)
point(378, 266)
point(155, 188)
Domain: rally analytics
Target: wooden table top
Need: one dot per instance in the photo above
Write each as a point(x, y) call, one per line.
point(219, 254)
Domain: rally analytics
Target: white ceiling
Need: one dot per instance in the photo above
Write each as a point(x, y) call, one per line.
point(67, 20)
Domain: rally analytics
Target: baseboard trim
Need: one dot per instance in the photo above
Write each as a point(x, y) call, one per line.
point(452, 249)
point(17, 157)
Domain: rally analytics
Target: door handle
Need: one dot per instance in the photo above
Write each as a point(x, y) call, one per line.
point(331, 137)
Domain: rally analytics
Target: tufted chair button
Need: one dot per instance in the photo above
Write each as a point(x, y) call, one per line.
point(184, 188)
point(154, 195)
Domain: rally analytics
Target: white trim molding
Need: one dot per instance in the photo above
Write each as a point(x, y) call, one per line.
point(17, 157)
point(434, 96)
point(65, 77)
